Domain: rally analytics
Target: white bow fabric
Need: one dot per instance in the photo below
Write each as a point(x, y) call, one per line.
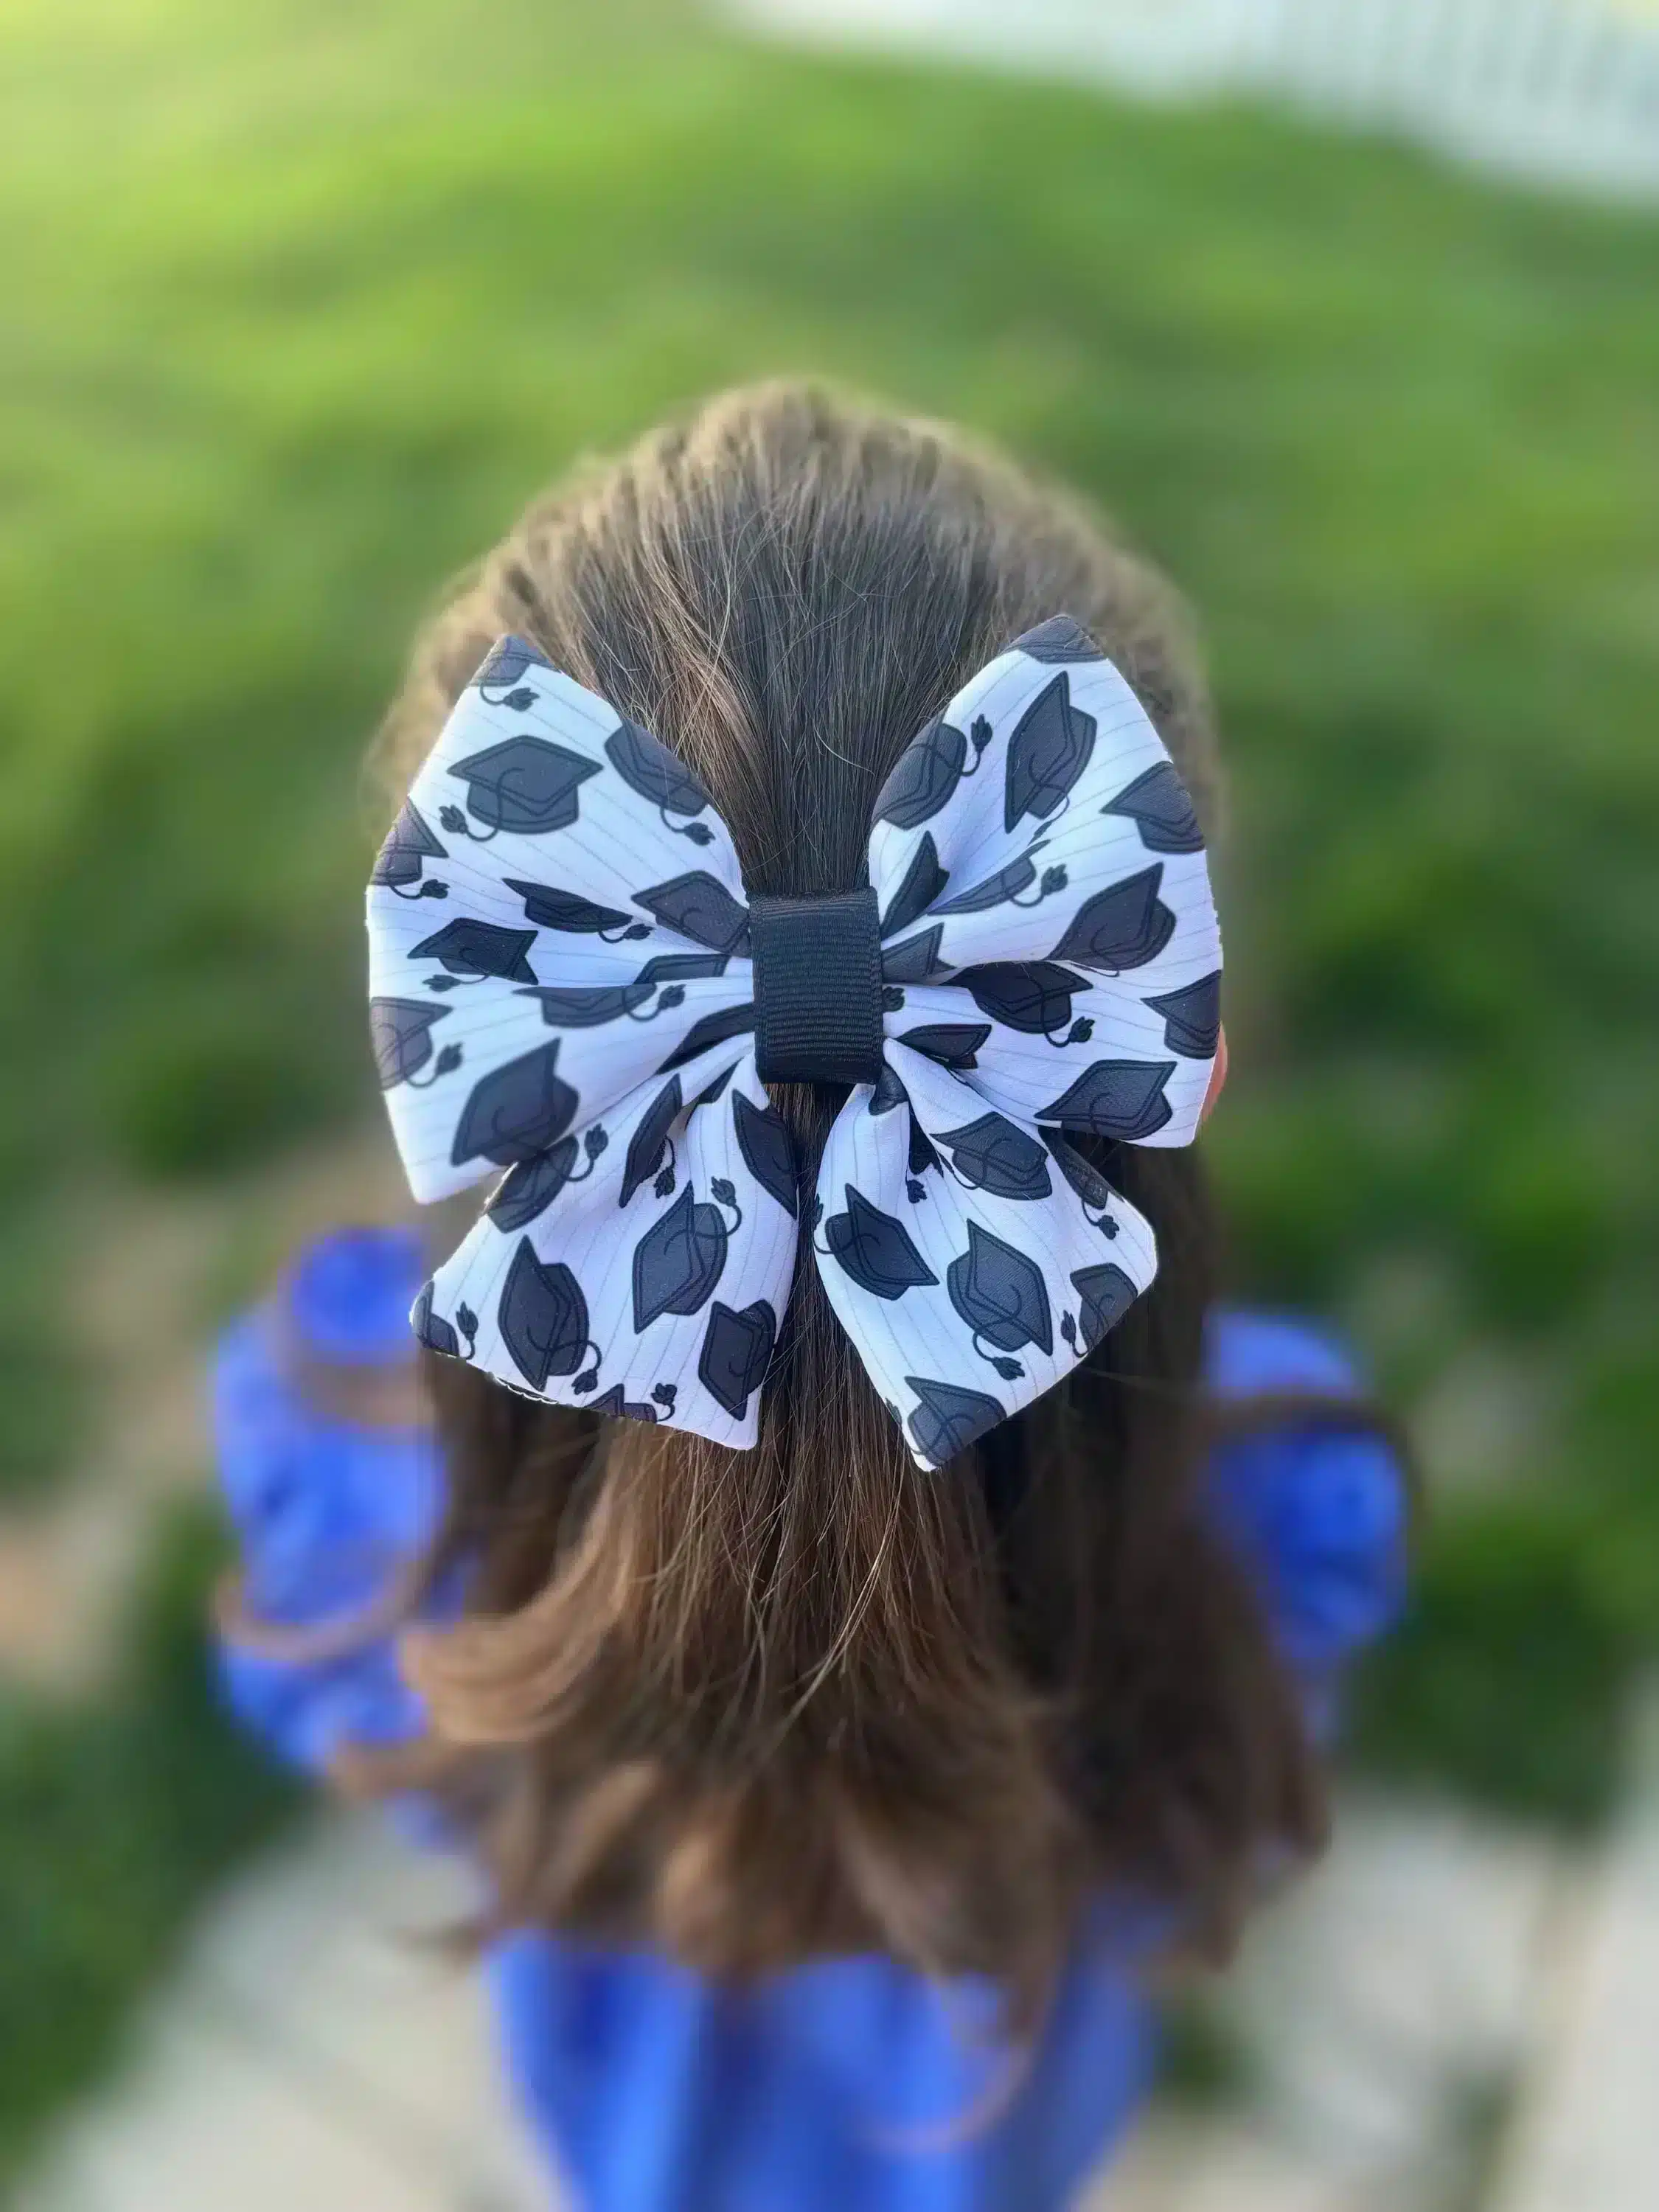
point(562, 988)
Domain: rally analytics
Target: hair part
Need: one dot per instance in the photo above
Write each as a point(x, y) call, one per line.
point(758, 1707)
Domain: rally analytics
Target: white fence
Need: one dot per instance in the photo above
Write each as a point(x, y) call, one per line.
point(1566, 90)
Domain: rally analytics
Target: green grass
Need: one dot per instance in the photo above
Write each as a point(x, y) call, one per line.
point(112, 1822)
point(303, 300)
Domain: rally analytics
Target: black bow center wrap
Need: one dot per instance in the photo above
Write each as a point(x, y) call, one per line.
point(818, 987)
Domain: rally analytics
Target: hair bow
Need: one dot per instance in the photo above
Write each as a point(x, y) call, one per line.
point(1035, 952)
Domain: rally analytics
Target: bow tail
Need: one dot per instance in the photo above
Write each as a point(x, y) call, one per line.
point(641, 1267)
point(972, 1259)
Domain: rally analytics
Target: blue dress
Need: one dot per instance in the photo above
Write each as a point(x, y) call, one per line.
point(851, 2084)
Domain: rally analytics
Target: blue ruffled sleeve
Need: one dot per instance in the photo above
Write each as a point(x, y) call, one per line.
point(329, 1507)
point(1317, 1513)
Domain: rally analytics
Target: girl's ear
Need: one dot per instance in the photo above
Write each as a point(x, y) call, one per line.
point(1217, 1079)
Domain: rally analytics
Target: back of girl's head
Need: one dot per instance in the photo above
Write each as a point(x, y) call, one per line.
point(757, 1706)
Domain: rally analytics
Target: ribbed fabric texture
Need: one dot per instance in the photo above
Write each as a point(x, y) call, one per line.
point(818, 987)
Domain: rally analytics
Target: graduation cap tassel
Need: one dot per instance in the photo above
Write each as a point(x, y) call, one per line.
point(637, 1255)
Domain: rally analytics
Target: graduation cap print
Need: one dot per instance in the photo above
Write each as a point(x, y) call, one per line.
point(472, 949)
point(1084, 1178)
point(621, 1407)
point(1192, 1018)
point(524, 784)
point(924, 777)
point(431, 1329)
point(999, 1293)
point(1047, 753)
point(649, 768)
point(409, 845)
point(1105, 1294)
point(699, 906)
point(875, 1250)
point(996, 1154)
point(1007, 886)
point(1158, 805)
point(660, 1294)
point(549, 907)
point(400, 1030)
point(952, 1044)
point(887, 1091)
point(768, 1152)
point(678, 1260)
point(710, 1031)
point(736, 1350)
point(1120, 929)
point(572, 1007)
point(645, 1146)
point(1058, 639)
point(681, 966)
point(919, 885)
point(948, 1417)
point(516, 1111)
point(532, 1187)
point(542, 1317)
point(1032, 996)
point(509, 660)
point(916, 960)
point(1121, 1098)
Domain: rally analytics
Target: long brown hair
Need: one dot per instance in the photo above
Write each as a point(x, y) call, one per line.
point(754, 1707)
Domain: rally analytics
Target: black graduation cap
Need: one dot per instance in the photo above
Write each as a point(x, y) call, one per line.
point(650, 1135)
point(995, 890)
point(542, 1317)
point(737, 1349)
point(621, 1408)
point(887, 1091)
point(587, 1007)
point(550, 908)
point(953, 1044)
point(476, 948)
point(916, 960)
point(647, 767)
point(1084, 1176)
point(875, 1250)
point(1106, 1294)
point(923, 881)
point(516, 1112)
point(699, 906)
point(925, 775)
point(1047, 753)
point(1124, 926)
point(1032, 996)
point(1159, 805)
point(678, 1260)
point(530, 1188)
point(432, 1329)
point(681, 966)
point(1121, 1098)
point(712, 1029)
point(1192, 1023)
point(996, 1154)
point(1000, 1293)
point(948, 1417)
point(400, 1030)
point(410, 844)
point(768, 1151)
point(508, 660)
point(523, 784)
point(1060, 638)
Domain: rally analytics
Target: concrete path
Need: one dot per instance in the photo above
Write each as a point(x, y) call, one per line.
point(1446, 2015)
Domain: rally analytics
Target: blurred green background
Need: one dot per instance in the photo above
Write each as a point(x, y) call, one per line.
point(304, 298)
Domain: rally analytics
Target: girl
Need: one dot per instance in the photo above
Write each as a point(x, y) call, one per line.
point(858, 1669)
